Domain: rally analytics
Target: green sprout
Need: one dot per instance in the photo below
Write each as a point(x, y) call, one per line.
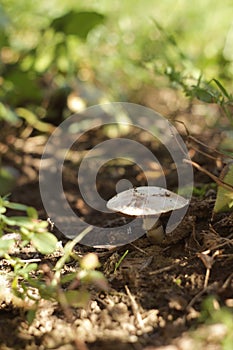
point(120, 260)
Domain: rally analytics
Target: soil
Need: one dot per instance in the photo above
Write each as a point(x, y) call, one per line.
point(155, 296)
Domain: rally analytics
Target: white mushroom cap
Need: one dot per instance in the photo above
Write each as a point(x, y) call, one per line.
point(146, 200)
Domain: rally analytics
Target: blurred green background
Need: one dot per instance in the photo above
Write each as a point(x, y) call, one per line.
point(57, 57)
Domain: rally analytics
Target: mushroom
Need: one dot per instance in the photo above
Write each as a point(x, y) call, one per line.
point(148, 202)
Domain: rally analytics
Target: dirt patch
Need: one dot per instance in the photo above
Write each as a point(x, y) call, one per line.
point(154, 296)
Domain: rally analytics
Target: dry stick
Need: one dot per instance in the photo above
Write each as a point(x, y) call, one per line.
point(220, 154)
point(169, 267)
point(135, 307)
point(212, 176)
point(203, 153)
point(225, 240)
point(23, 261)
point(208, 265)
point(208, 262)
point(163, 269)
point(207, 277)
point(227, 282)
point(198, 295)
point(218, 181)
point(192, 138)
point(139, 249)
point(193, 235)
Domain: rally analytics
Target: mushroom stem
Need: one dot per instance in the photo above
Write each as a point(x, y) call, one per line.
point(150, 221)
point(154, 229)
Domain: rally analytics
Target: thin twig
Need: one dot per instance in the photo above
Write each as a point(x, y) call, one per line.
point(211, 149)
point(207, 276)
point(139, 249)
point(199, 294)
point(227, 282)
point(220, 154)
point(167, 268)
point(135, 308)
point(212, 176)
point(208, 262)
point(204, 153)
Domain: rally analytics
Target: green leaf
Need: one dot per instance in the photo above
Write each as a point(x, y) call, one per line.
point(16, 206)
point(93, 277)
point(8, 178)
point(68, 277)
point(222, 88)
point(2, 210)
point(8, 114)
point(203, 95)
point(25, 270)
point(77, 298)
point(25, 87)
point(44, 242)
point(31, 314)
point(32, 213)
point(5, 245)
point(4, 19)
point(19, 221)
point(77, 23)
point(224, 200)
point(32, 119)
point(69, 247)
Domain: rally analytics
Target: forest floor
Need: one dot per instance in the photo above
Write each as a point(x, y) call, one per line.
point(155, 297)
